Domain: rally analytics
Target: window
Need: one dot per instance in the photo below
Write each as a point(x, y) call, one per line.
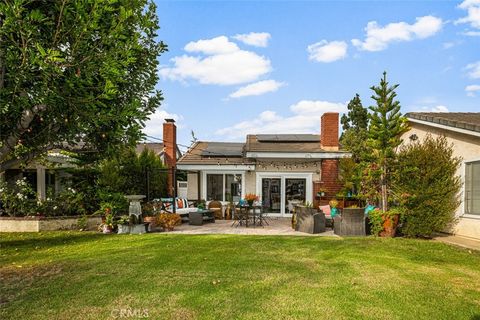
point(224, 187)
point(472, 187)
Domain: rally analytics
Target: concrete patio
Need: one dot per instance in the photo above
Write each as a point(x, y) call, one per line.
point(276, 226)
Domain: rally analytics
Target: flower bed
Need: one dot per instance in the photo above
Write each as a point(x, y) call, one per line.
point(39, 223)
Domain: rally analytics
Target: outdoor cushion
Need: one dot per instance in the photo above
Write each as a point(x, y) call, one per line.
point(325, 209)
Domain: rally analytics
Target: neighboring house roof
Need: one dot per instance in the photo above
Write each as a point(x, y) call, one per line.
point(464, 121)
point(156, 147)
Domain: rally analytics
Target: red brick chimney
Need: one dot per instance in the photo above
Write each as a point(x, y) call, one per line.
point(329, 131)
point(170, 156)
point(329, 167)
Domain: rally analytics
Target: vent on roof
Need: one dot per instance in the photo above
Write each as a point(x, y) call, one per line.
point(288, 138)
point(223, 149)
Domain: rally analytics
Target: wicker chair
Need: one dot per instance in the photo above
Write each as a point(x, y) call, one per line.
point(350, 223)
point(216, 207)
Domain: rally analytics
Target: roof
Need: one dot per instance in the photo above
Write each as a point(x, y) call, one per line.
point(284, 143)
point(229, 149)
point(156, 147)
point(461, 120)
point(204, 152)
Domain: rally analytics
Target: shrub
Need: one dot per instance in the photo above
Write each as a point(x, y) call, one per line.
point(377, 218)
point(168, 221)
point(427, 184)
point(18, 200)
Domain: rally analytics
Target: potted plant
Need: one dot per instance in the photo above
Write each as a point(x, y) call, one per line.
point(123, 225)
point(149, 211)
point(168, 221)
point(251, 198)
point(321, 192)
point(333, 207)
point(108, 225)
point(384, 224)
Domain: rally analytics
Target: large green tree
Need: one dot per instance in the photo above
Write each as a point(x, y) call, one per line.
point(354, 139)
point(75, 73)
point(384, 135)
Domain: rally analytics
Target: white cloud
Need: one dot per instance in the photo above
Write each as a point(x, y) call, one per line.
point(256, 39)
point(325, 51)
point(304, 118)
point(473, 70)
point(439, 109)
point(154, 126)
point(378, 38)
point(223, 63)
point(435, 108)
point(472, 89)
point(473, 13)
point(471, 33)
point(257, 88)
point(216, 45)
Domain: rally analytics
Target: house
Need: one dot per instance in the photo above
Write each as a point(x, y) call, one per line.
point(463, 131)
point(282, 169)
point(49, 173)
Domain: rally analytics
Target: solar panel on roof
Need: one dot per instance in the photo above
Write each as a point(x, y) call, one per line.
point(218, 149)
point(288, 137)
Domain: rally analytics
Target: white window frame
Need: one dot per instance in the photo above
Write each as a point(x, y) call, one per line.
point(283, 176)
point(464, 191)
point(222, 172)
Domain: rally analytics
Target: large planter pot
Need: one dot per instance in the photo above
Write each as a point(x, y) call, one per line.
point(137, 229)
point(107, 229)
point(152, 222)
point(390, 224)
point(123, 229)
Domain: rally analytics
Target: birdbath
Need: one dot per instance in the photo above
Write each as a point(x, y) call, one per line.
point(135, 209)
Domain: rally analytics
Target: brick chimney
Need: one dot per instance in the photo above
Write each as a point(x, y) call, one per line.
point(329, 131)
point(170, 156)
point(329, 167)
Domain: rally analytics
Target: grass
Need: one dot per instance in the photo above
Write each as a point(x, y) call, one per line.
point(73, 275)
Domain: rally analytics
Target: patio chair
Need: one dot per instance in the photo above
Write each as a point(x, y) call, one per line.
point(216, 207)
point(240, 217)
point(350, 223)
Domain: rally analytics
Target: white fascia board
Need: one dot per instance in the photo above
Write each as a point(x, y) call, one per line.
point(206, 167)
point(299, 155)
point(442, 126)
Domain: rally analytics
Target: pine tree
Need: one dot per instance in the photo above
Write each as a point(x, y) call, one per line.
point(386, 126)
point(357, 116)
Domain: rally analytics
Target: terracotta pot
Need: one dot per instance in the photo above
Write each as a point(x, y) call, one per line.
point(389, 226)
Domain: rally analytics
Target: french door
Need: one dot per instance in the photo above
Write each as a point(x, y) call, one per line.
point(280, 192)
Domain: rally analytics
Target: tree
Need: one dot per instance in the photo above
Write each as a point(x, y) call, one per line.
point(357, 116)
point(129, 173)
point(75, 73)
point(354, 139)
point(427, 183)
point(386, 126)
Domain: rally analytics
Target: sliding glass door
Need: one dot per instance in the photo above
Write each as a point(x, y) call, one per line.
point(281, 191)
point(294, 193)
point(272, 195)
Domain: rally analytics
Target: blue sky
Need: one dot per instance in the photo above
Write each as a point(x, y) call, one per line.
point(275, 66)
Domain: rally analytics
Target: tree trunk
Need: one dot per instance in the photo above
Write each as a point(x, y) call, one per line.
point(384, 188)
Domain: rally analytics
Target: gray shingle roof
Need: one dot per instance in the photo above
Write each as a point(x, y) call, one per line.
point(462, 120)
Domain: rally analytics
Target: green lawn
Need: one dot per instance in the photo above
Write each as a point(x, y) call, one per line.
point(73, 275)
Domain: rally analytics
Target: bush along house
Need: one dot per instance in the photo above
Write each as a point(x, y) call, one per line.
point(462, 130)
point(282, 169)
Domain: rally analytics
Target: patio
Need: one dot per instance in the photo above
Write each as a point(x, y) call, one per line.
point(276, 226)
